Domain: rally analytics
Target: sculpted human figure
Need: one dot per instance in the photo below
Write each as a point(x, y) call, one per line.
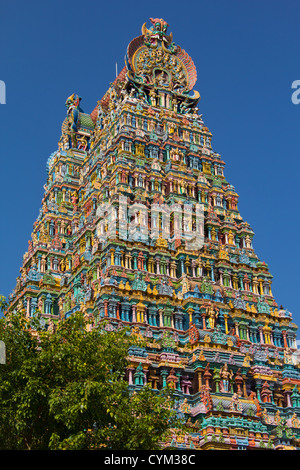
point(226, 375)
point(212, 315)
point(235, 405)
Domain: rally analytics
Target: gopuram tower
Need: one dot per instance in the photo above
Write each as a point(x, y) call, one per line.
point(139, 227)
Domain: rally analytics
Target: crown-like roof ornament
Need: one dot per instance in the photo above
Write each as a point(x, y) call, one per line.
point(156, 71)
point(153, 60)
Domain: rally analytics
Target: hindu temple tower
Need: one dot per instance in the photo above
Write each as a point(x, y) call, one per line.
point(122, 193)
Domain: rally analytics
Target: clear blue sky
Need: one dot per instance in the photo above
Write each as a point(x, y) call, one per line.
point(247, 56)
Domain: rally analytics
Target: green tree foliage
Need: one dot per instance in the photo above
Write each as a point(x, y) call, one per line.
point(3, 303)
point(66, 390)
